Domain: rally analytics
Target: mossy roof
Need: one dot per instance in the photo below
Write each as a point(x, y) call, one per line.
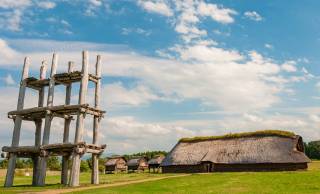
point(262, 133)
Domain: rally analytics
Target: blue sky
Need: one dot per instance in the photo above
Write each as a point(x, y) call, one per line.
point(172, 68)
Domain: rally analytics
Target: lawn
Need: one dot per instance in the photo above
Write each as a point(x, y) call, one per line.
point(253, 182)
point(22, 183)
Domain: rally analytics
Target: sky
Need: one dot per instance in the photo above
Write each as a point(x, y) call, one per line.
point(170, 69)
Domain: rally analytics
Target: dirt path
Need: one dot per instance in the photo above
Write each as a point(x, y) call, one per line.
point(57, 191)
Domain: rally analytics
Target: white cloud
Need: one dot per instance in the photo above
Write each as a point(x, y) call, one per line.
point(140, 136)
point(188, 14)
point(242, 84)
point(305, 124)
point(14, 13)
point(219, 14)
point(127, 31)
point(46, 4)
point(9, 80)
point(268, 46)
point(289, 66)
point(96, 3)
point(156, 6)
point(92, 7)
point(252, 15)
point(215, 76)
point(8, 4)
point(64, 22)
point(11, 20)
point(205, 53)
point(123, 134)
point(118, 95)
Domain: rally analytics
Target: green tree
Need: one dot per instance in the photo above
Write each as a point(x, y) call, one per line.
point(148, 154)
point(53, 163)
point(101, 163)
point(23, 163)
point(4, 163)
point(84, 166)
point(312, 149)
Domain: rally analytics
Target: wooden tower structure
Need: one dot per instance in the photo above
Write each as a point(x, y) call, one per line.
point(42, 149)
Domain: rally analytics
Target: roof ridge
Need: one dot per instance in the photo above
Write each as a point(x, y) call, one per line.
point(261, 133)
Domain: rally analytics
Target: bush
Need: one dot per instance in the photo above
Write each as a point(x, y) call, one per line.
point(4, 164)
point(84, 167)
point(53, 163)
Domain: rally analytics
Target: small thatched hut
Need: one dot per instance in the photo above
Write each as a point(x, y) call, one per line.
point(269, 150)
point(139, 163)
point(155, 162)
point(116, 164)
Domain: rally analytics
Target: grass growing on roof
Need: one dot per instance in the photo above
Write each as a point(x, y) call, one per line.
point(262, 133)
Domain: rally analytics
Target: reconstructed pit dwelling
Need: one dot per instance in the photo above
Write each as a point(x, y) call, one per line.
point(270, 150)
point(42, 149)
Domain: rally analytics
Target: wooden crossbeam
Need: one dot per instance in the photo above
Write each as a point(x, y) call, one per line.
point(60, 79)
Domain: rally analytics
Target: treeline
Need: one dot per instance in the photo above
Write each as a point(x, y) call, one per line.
point(312, 149)
point(53, 163)
point(148, 154)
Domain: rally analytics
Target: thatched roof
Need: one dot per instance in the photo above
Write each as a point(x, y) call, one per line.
point(244, 148)
point(263, 133)
point(156, 160)
point(113, 160)
point(135, 161)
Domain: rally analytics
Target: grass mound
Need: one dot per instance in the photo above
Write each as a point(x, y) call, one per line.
point(262, 133)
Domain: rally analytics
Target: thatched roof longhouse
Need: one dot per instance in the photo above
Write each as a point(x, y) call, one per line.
point(113, 160)
point(262, 147)
point(156, 160)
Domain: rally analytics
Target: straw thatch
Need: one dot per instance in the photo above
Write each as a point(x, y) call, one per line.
point(156, 160)
point(237, 152)
point(116, 164)
point(139, 163)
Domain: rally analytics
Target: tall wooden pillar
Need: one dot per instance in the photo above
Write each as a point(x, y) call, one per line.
point(75, 170)
point(38, 123)
point(17, 125)
point(96, 123)
point(48, 119)
point(67, 121)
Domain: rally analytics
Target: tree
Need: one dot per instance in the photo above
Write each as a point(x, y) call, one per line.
point(4, 164)
point(84, 166)
point(101, 164)
point(23, 163)
point(312, 149)
point(53, 163)
point(148, 154)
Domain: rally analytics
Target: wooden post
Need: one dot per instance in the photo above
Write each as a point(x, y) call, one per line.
point(65, 159)
point(17, 125)
point(38, 123)
point(48, 119)
point(96, 122)
point(75, 170)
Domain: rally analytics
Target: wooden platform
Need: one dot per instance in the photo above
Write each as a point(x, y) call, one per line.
point(60, 149)
point(63, 111)
point(60, 79)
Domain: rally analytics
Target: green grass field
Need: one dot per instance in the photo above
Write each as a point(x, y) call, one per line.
point(253, 182)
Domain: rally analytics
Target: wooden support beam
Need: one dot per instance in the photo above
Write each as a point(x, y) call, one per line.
point(38, 123)
point(75, 170)
point(65, 159)
point(96, 123)
point(48, 119)
point(17, 124)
